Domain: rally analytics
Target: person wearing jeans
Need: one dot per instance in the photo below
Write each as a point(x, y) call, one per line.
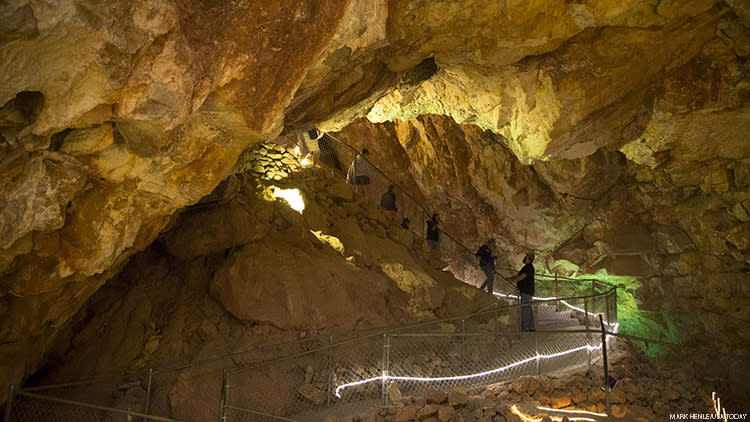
point(487, 265)
point(525, 282)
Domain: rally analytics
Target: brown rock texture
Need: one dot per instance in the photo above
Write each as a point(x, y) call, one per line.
point(603, 134)
point(183, 301)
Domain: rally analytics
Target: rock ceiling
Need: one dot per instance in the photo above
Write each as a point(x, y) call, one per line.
point(117, 114)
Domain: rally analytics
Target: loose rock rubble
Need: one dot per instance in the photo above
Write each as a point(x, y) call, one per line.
point(269, 160)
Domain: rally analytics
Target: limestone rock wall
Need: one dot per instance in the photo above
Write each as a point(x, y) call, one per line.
point(680, 234)
point(114, 115)
point(245, 270)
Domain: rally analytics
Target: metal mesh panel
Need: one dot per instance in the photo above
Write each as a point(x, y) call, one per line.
point(28, 409)
point(122, 392)
point(420, 363)
point(563, 352)
point(291, 386)
point(31, 407)
point(356, 361)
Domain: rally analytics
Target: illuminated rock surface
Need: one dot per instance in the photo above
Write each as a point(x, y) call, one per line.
point(607, 134)
point(256, 274)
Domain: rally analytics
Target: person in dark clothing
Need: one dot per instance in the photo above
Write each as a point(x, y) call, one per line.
point(525, 282)
point(487, 264)
point(433, 232)
point(388, 202)
point(405, 223)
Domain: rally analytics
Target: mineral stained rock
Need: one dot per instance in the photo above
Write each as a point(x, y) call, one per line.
point(545, 123)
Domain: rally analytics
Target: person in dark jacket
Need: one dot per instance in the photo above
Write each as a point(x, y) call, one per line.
point(487, 264)
point(433, 232)
point(525, 282)
point(388, 202)
point(405, 223)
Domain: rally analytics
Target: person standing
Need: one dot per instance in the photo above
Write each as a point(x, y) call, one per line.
point(525, 282)
point(433, 232)
point(359, 172)
point(388, 202)
point(487, 264)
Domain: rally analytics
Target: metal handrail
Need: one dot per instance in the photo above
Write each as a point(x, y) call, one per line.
point(409, 195)
point(395, 330)
point(376, 332)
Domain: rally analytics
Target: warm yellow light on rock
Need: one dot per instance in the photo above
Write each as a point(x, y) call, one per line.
point(528, 418)
point(291, 196)
point(333, 241)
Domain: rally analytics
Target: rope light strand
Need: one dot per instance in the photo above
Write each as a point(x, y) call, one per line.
point(386, 377)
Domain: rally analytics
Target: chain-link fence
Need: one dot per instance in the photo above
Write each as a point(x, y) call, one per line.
point(139, 396)
point(468, 351)
point(35, 407)
point(299, 378)
point(304, 379)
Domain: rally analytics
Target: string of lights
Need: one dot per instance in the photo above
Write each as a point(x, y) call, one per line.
point(386, 377)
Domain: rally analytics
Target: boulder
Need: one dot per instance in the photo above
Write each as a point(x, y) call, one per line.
point(457, 397)
point(312, 393)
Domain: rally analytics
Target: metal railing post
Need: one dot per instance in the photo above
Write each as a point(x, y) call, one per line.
point(536, 350)
point(557, 293)
point(606, 369)
point(330, 371)
point(9, 403)
point(223, 399)
point(147, 404)
point(588, 334)
point(463, 344)
point(384, 383)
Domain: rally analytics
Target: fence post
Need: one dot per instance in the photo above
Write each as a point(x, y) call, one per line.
point(223, 400)
point(557, 293)
point(147, 405)
point(463, 345)
point(588, 334)
point(606, 369)
point(536, 349)
point(384, 384)
point(330, 371)
point(9, 404)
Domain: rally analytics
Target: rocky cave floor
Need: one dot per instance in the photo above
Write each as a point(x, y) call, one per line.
point(648, 389)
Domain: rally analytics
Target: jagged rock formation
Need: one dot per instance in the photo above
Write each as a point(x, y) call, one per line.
point(242, 269)
point(115, 115)
point(599, 212)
